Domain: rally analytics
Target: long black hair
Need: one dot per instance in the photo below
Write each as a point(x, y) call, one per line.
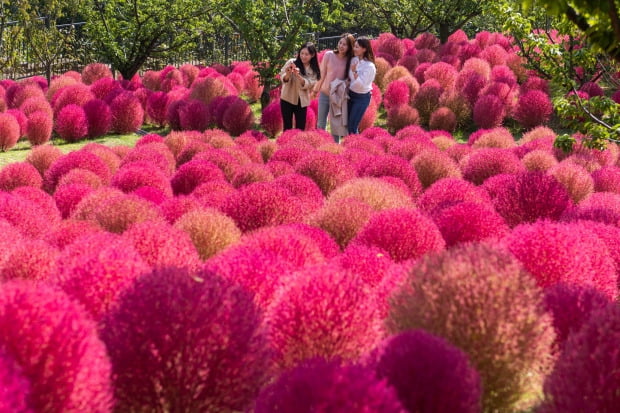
point(314, 60)
point(365, 43)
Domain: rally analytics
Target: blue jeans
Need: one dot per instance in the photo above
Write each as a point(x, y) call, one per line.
point(321, 117)
point(358, 103)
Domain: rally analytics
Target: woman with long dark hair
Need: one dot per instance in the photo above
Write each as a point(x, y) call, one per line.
point(298, 77)
point(362, 73)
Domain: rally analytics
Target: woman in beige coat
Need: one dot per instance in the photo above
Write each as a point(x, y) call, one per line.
point(298, 78)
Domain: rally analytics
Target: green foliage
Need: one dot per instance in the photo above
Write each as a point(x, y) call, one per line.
point(127, 33)
point(11, 36)
point(272, 30)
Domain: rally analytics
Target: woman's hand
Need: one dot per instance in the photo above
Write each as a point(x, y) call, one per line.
point(354, 67)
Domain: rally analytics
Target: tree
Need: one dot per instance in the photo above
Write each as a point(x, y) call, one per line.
point(272, 30)
point(598, 20)
point(128, 32)
point(10, 38)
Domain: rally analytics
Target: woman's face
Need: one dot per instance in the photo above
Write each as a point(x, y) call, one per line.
point(343, 47)
point(358, 50)
point(305, 56)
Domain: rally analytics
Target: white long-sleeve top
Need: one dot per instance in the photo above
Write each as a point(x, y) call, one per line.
point(366, 72)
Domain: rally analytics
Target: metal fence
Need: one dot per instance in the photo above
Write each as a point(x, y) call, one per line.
point(78, 52)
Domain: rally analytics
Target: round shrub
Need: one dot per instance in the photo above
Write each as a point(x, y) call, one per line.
point(428, 373)
point(36, 104)
point(127, 113)
point(397, 93)
point(607, 179)
point(9, 131)
point(40, 126)
point(80, 176)
point(481, 300)
point(585, 377)
point(71, 123)
point(27, 259)
point(304, 188)
point(443, 73)
point(16, 391)
point(432, 165)
point(19, 174)
point(392, 166)
point(156, 107)
point(443, 118)
point(247, 174)
point(41, 199)
point(530, 196)
point(207, 89)
point(75, 159)
point(320, 385)
point(469, 222)
point(271, 119)
point(533, 109)
point(195, 115)
point(427, 98)
point(65, 363)
point(75, 94)
point(135, 175)
point(375, 192)
point(539, 160)
point(99, 117)
point(489, 112)
point(25, 215)
point(66, 231)
point(222, 330)
point(487, 162)
point(95, 71)
point(325, 312)
point(575, 178)
point(499, 137)
point(194, 173)
point(327, 170)
point(342, 218)
point(567, 253)
point(238, 117)
point(401, 116)
point(209, 230)
point(404, 234)
point(156, 154)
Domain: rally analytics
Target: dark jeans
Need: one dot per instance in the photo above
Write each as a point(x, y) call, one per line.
point(289, 110)
point(358, 103)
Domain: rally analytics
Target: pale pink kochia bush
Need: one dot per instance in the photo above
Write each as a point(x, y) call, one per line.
point(481, 300)
point(9, 131)
point(19, 174)
point(75, 159)
point(105, 153)
point(222, 330)
point(209, 230)
point(135, 175)
point(65, 363)
point(585, 377)
point(95, 71)
point(392, 166)
point(161, 245)
point(484, 163)
point(99, 117)
point(194, 173)
point(575, 178)
point(489, 111)
point(530, 196)
point(571, 307)
point(404, 233)
point(533, 109)
point(40, 127)
point(539, 160)
point(259, 270)
point(322, 311)
point(607, 179)
point(95, 269)
point(68, 196)
point(114, 210)
point(566, 253)
point(16, 393)
point(271, 119)
point(24, 214)
point(375, 192)
point(443, 118)
point(331, 386)
point(469, 222)
point(342, 218)
point(428, 373)
point(127, 113)
point(327, 170)
point(29, 260)
point(18, 94)
point(432, 165)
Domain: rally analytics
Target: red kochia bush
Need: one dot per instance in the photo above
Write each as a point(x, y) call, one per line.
point(533, 109)
point(40, 126)
point(195, 115)
point(396, 93)
point(15, 386)
point(327, 386)
point(127, 113)
point(194, 173)
point(19, 174)
point(71, 123)
point(487, 162)
point(530, 196)
point(489, 112)
point(9, 131)
point(271, 119)
point(99, 116)
point(469, 221)
point(76, 159)
point(392, 166)
point(481, 300)
point(156, 107)
point(238, 117)
point(585, 377)
point(327, 170)
point(403, 233)
point(56, 348)
point(25, 215)
point(322, 311)
point(95, 71)
point(221, 330)
point(429, 374)
point(133, 176)
point(564, 253)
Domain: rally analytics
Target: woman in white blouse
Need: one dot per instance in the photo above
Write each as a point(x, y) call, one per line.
point(362, 74)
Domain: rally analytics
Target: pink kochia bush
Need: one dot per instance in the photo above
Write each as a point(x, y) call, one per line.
point(9, 131)
point(127, 113)
point(480, 299)
point(76, 159)
point(327, 170)
point(404, 233)
point(15, 387)
point(56, 348)
point(328, 386)
point(199, 334)
point(19, 174)
point(40, 127)
point(484, 163)
point(71, 123)
point(585, 377)
point(534, 109)
point(322, 311)
point(567, 253)
point(428, 373)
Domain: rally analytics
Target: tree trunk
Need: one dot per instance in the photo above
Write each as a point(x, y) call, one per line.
point(265, 96)
point(444, 32)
